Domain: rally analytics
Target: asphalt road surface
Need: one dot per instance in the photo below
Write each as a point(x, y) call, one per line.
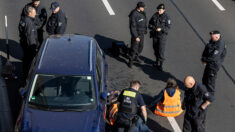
point(107, 21)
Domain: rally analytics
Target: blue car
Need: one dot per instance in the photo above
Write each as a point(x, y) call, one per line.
point(66, 87)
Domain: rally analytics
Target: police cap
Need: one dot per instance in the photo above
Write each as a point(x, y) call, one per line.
point(54, 5)
point(161, 6)
point(214, 32)
point(140, 4)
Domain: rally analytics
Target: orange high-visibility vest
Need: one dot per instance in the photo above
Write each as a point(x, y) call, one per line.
point(113, 114)
point(171, 107)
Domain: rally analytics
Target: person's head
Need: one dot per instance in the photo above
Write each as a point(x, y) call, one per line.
point(140, 6)
point(215, 35)
point(55, 7)
point(135, 84)
point(31, 11)
point(171, 83)
point(36, 3)
point(189, 82)
point(161, 9)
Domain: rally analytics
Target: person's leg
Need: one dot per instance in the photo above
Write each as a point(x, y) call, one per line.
point(187, 126)
point(155, 48)
point(200, 122)
point(134, 51)
point(209, 77)
point(162, 44)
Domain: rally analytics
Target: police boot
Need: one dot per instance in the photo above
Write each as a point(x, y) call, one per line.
point(155, 64)
point(160, 68)
point(130, 64)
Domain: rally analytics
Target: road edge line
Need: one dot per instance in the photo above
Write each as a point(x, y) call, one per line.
point(174, 124)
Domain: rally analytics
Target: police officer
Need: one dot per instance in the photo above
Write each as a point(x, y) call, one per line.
point(138, 27)
point(40, 19)
point(196, 101)
point(28, 38)
point(212, 57)
point(159, 25)
point(57, 22)
point(130, 100)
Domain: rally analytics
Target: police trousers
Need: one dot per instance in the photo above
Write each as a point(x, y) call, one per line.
point(159, 47)
point(124, 124)
point(194, 124)
point(136, 47)
point(208, 79)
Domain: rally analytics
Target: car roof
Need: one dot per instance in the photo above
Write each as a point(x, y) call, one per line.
point(68, 55)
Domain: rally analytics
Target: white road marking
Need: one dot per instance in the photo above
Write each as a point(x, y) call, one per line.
point(218, 5)
point(174, 124)
point(108, 7)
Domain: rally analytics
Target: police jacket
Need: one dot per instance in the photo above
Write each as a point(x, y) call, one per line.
point(194, 98)
point(214, 54)
point(30, 31)
point(57, 23)
point(137, 23)
point(41, 16)
point(130, 100)
point(159, 21)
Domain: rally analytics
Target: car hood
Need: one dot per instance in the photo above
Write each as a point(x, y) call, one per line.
point(48, 121)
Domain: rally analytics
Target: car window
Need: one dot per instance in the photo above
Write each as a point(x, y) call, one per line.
point(99, 75)
point(52, 91)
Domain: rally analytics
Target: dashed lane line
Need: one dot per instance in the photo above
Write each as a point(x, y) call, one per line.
point(174, 124)
point(108, 7)
point(218, 5)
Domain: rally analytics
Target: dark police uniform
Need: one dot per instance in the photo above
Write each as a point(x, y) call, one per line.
point(213, 55)
point(130, 100)
point(195, 116)
point(159, 37)
point(29, 41)
point(40, 19)
point(57, 23)
point(138, 27)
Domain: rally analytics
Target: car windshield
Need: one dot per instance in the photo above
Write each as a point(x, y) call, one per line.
point(63, 92)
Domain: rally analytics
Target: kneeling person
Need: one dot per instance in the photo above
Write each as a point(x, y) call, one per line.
point(129, 100)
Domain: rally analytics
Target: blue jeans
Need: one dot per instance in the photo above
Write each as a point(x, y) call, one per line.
point(141, 127)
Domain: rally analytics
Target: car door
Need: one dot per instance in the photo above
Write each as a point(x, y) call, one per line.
point(101, 82)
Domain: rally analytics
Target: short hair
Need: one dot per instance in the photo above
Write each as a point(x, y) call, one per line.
point(171, 83)
point(134, 82)
point(30, 9)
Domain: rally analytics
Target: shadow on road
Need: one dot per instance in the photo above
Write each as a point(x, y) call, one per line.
point(12, 85)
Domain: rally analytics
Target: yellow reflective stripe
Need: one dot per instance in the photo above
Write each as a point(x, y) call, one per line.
point(168, 106)
point(167, 112)
point(129, 93)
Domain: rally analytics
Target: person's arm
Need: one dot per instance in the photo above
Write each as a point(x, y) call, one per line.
point(207, 97)
point(30, 35)
point(216, 54)
point(151, 25)
point(157, 99)
point(144, 112)
point(62, 22)
point(167, 25)
point(43, 16)
point(133, 25)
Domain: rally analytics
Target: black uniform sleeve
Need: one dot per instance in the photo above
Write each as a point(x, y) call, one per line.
point(151, 25)
point(120, 97)
point(206, 94)
point(216, 54)
point(133, 25)
point(140, 100)
point(29, 34)
point(61, 24)
point(204, 54)
point(166, 25)
point(43, 16)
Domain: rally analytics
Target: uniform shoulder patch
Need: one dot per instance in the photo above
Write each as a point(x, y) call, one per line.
point(169, 21)
point(216, 52)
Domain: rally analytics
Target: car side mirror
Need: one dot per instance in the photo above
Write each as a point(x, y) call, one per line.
point(103, 95)
point(22, 92)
